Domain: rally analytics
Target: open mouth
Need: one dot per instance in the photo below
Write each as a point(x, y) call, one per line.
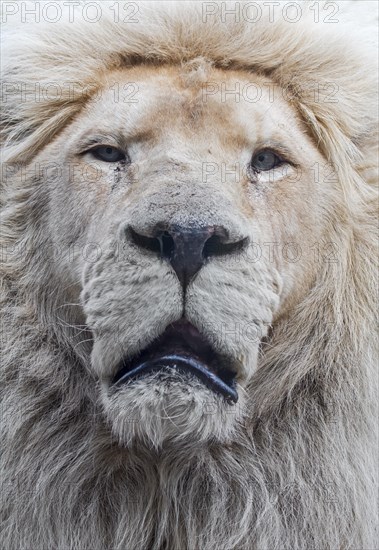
point(182, 347)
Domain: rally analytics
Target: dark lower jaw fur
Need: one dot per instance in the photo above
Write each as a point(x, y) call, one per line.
point(181, 347)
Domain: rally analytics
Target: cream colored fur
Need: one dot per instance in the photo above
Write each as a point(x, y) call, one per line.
point(167, 464)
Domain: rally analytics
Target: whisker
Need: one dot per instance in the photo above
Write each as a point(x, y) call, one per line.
point(83, 342)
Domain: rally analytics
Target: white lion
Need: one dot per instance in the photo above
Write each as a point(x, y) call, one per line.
point(189, 269)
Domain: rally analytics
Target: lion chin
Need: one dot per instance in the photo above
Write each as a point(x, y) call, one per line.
point(177, 391)
point(188, 276)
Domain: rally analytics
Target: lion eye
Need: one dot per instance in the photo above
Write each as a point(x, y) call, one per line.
point(265, 160)
point(107, 154)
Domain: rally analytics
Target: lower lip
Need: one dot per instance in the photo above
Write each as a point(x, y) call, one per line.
point(185, 363)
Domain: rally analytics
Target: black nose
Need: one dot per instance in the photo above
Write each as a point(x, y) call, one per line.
point(187, 248)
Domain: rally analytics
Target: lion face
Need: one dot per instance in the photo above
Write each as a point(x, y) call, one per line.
point(191, 211)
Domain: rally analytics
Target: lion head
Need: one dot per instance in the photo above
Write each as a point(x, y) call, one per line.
point(189, 233)
point(185, 216)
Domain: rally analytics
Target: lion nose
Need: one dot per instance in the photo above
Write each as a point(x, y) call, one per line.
point(187, 248)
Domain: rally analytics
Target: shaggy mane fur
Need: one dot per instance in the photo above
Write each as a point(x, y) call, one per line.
point(302, 474)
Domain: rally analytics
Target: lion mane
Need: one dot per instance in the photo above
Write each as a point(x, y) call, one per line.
point(301, 473)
